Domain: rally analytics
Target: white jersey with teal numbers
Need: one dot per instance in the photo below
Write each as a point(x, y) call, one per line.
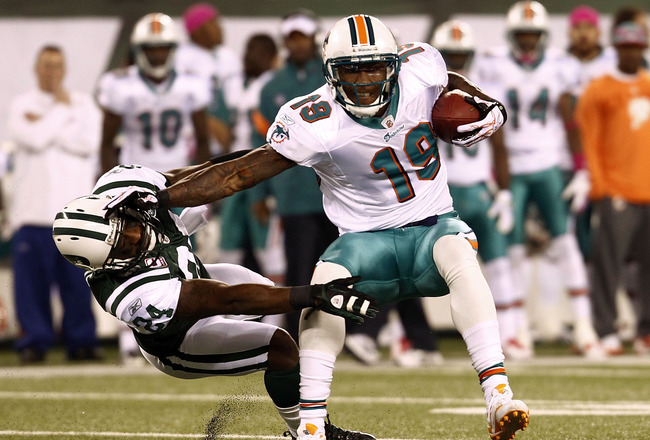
point(534, 133)
point(375, 173)
point(156, 118)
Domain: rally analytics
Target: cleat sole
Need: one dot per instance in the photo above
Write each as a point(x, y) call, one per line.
point(510, 423)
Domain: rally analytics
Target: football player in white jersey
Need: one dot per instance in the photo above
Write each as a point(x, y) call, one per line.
point(469, 172)
point(368, 136)
point(537, 84)
point(141, 269)
point(162, 114)
point(239, 225)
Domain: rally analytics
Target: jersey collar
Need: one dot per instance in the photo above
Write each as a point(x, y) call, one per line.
point(377, 122)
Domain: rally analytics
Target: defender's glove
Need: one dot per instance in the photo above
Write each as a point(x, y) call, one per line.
point(493, 115)
point(578, 190)
point(135, 197)
point(501, 208)
point(336, 298)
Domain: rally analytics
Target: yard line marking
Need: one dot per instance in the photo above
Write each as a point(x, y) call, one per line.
point(563, 366)
point(560, 408)
point(619, 407)
point(55, 395)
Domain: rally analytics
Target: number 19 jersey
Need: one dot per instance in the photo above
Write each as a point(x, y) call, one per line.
point(375, 173)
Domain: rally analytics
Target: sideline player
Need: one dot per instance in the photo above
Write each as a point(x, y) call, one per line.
point(537, 84)
point(490, 217)
point(156, 108)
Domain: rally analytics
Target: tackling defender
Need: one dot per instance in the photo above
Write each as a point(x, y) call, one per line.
point(367, 134)
point(141, 269)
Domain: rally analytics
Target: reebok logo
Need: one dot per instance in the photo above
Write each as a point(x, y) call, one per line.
point(337, 301)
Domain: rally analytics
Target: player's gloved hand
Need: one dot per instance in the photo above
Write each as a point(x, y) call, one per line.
point(492, 116)
point(501, 209)
point(338, 298)
point(578, 190)
point(134, 197)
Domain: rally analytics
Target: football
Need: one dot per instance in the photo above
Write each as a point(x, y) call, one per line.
point(450, 111)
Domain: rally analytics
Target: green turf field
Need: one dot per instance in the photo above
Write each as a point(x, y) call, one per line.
point(569, 398)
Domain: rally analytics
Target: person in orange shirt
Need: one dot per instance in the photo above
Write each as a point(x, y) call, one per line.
point(613, 116)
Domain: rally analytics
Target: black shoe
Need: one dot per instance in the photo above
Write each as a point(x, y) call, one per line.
point(335, 433)
point(86, 354)
point(31, 356)
point(287, 433)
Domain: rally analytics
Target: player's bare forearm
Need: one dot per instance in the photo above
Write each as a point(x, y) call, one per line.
point(200, 298)
point(458, 81)
point(215, 182)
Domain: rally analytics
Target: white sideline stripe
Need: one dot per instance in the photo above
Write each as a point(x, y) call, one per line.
point(603, 410)
point(622, 407)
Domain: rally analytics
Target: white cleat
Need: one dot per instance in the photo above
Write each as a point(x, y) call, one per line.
point(311, 432)
point(505, 416)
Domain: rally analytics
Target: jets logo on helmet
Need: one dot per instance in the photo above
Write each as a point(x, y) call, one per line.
point(90, 241)
point(355, 42)
point(154, 30)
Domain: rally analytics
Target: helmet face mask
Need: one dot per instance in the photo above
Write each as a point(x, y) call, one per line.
point(527, 31)
point(151, 35)
point(361, 64)
point(88, 240)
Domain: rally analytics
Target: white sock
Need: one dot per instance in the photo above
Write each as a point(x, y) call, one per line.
point(484, 347)
point(581, 306)
point(316, 370)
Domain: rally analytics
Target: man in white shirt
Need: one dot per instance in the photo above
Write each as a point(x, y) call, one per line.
point(56, 134)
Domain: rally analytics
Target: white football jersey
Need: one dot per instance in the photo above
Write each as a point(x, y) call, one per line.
point(375, 173)
point(250, 100)
point(534, 133)
point(589, 70)
point(156, 118)
point(467, 166)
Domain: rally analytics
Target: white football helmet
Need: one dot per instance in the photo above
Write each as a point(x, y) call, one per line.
point(355, 40)
point(455, 37)
point(87, 239)
point(154, 29)
point(527, 16)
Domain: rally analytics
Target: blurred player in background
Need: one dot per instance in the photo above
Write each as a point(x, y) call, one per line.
point(152, 105)
point(537, 83)
point(594, 60)
point(471, 172)
point(241, 230)
point(298, 201)
point(367, 134)
point(205, 55)
point(614, 118)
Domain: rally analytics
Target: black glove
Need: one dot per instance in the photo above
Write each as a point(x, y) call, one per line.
point(337, 298)
point(133, 197)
